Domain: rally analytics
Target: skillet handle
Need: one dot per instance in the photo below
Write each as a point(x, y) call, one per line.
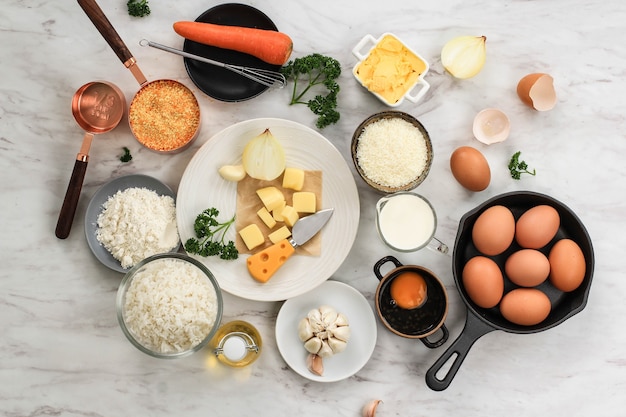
point(106, 29)
point(473, 330)
point(70, 202)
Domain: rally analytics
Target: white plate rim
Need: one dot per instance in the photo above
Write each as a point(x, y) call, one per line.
point(304, 148)
point(94, 208)
point(345, 299)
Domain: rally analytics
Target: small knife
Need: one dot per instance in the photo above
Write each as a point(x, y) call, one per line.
point(262, 265)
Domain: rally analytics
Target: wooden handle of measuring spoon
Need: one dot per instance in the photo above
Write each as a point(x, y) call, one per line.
point(106, 29)
point(68, 209)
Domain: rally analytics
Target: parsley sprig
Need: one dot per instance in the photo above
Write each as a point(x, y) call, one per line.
point(210, 236)
point(517, 167)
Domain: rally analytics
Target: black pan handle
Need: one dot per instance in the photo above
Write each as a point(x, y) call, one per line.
point(383, 261)
point(70, 202)
point(473, 330)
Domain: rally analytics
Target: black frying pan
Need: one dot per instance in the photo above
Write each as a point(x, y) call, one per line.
point(479, 320)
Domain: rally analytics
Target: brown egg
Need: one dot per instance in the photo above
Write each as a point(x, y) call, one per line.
point(525, 306)
point(494, 230)
point(470, 168)
point(537, 91)
point(567, 265)
point(527, 267)
point(537, 227)
point(483, 281)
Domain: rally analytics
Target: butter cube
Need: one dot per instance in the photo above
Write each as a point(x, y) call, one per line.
point(271, 197)
point(304, 202)
point(293, 178)
point(279, 234)
point(266, 217)
point(278, 212)
point(290, 216)
point(252, 236)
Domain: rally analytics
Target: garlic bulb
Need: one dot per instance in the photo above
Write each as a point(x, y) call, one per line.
point(324, 332)
point(264, 157)
point(464, 56)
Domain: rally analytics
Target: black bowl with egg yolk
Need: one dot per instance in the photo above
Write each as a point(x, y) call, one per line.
point(425, 322)
point(479, 320)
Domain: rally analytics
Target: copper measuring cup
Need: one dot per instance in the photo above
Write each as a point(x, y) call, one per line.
point(108, 32)
point(98, 107)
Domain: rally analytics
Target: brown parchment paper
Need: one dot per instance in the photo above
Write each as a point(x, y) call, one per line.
point(248, 203)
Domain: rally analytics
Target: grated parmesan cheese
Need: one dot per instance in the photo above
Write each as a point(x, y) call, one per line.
point(136, 223)
point(392, 152)
point(170, 306)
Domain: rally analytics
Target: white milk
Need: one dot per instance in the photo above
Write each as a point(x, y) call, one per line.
point(406, 221)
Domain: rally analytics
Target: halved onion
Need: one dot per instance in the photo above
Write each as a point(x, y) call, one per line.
point(263, 157)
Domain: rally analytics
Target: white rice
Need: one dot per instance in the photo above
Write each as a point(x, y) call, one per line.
point(170, 306)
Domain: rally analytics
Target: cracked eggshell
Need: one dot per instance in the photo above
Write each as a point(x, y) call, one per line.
point(491, 126)
point(536, 90)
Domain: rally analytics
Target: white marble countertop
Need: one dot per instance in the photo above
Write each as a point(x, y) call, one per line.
point(62, 350)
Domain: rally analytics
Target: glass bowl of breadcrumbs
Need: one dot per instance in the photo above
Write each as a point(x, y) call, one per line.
point(164, 116)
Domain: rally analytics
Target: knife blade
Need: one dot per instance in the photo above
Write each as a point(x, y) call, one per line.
point(262, 265)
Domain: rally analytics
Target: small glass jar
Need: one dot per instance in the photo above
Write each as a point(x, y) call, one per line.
point(237, 344)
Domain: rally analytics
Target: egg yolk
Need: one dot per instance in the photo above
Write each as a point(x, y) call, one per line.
point(408, 290)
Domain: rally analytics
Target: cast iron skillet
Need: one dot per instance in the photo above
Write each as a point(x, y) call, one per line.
point(218, 82)
point(479, 320)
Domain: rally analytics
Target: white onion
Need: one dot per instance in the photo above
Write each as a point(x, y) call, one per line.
point(464, 56)
point(263, 157)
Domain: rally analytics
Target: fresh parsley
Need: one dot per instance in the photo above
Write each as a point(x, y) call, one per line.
point(126, 157)
point(210, 236)
point(138, 8)
point(517, 167)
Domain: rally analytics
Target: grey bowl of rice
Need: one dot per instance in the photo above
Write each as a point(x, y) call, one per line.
point(392, 151)
point(169, 305)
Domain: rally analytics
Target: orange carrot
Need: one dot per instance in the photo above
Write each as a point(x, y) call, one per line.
point(268, 45)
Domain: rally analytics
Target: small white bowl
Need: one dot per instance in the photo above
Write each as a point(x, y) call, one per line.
point(491, 126)
point(368, 44)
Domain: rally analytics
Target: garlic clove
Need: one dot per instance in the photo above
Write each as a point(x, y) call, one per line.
point(313, 345)
point(328, 314)
point(315, 364)
point(342, 320)
point(304, 330)
point(464, 56)
point(232, 172)
point(342, 333)
point(337, 345)
point(369, 410)
point(325, 350)
point(315, 318)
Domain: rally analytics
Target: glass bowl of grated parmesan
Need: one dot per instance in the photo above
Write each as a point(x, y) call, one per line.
point(392, 151)
point(169, 305)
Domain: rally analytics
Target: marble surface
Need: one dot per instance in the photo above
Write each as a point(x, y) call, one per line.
point(62, 352)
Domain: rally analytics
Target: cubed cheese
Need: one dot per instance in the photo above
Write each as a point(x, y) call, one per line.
point(266, 217)
point(252, 236)
point(271, 197)
point(293, 178)
point(290, 216)
point(279, 234)
point(278, 211)
point(304, 202)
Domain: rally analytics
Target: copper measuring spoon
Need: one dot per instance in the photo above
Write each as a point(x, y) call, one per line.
point(97, 107)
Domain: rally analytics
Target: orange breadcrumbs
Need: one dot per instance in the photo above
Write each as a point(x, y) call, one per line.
point(164, 115)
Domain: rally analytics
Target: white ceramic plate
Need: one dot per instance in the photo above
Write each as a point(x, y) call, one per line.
point(345, 299)
point(201, 187)
point(95, 208)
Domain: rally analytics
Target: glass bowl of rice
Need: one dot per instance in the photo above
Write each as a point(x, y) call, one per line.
point(392, 151)
point(169, 305)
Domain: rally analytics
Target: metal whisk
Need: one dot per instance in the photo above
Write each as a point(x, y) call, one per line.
point(265, 77)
